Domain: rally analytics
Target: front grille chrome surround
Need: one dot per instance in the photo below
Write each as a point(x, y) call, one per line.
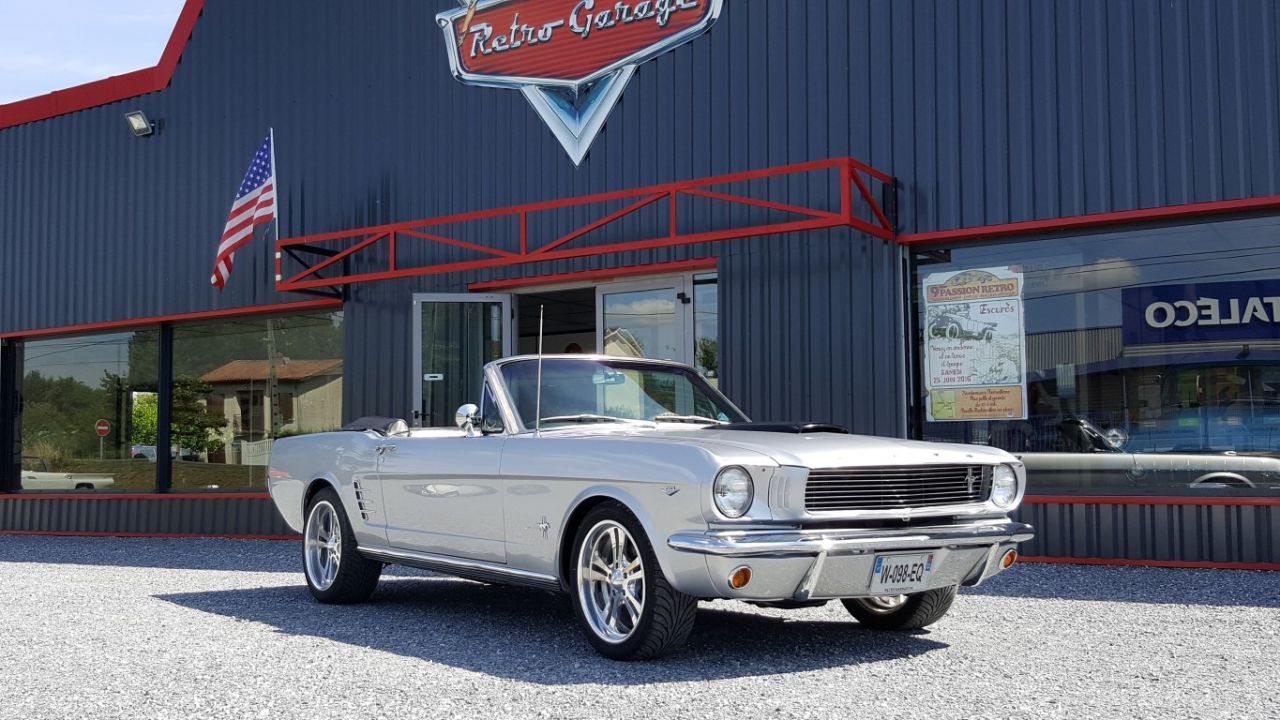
point(898, 487)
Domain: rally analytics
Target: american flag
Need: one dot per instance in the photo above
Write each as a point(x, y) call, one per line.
point(254, 205)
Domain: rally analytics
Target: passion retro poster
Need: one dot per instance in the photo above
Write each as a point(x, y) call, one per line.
point(572, 59)
point(975, 345)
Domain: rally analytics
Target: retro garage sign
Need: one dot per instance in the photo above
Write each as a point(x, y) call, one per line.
point(572, 59)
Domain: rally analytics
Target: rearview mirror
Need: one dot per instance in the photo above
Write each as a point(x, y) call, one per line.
point(467, 417)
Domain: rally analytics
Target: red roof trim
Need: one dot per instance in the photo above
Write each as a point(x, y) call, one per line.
point(112, 89)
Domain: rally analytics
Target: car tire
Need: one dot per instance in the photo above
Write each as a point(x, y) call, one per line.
point(336, 572)
point(953, 331)
point(606, 604)
point(909, 612)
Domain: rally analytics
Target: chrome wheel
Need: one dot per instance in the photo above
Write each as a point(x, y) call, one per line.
point(884, 604)
point(323, 545)
point(611, 585)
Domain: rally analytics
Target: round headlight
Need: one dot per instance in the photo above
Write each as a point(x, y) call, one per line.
point(732, 492)
point(1004, 486)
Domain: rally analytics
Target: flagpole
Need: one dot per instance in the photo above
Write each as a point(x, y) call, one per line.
point(275, 179)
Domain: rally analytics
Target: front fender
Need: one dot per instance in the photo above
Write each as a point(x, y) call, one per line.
point(660, 515)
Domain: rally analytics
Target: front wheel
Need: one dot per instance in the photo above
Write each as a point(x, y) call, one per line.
point(625, 605)
point(336, 571)
point(902, 612)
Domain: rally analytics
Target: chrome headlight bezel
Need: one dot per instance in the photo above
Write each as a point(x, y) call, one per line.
point(733, 492)
point(1004, 486)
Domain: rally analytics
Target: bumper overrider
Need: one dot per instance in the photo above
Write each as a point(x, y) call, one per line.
point(831, 563)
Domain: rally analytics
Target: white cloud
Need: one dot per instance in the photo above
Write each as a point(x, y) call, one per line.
point(57, 44)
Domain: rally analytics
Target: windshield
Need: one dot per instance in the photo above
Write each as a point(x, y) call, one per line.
point(583, 390)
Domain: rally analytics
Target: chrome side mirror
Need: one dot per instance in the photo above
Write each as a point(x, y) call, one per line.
point(467, 417)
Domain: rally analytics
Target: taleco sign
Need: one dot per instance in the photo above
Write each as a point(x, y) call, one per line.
point(975, 354)
point(571, 58)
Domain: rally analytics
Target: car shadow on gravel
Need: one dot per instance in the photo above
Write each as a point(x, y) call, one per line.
point(1162, 586)
point(532, 636)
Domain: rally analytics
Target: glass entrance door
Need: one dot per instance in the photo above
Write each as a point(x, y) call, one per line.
point(672, 318)
point(454, 336)
point(646, 319)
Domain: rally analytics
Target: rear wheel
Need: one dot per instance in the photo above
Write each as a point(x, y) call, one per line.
point(336, 571)
point(902, 612)
point(624, 604)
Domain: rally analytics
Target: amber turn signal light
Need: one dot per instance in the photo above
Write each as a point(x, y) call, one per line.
point(739, 578)
point(1010, 557)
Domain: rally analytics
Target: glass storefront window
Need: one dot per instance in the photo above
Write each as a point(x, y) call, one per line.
point(1144, 362)
point(241, 384)
point(89, 412)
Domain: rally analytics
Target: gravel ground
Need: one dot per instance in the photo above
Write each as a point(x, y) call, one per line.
point(120, 628)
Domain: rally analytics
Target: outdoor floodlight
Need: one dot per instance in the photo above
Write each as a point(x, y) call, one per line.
point(139, 124)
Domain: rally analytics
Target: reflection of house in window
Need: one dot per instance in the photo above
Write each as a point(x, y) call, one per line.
point(307, 397)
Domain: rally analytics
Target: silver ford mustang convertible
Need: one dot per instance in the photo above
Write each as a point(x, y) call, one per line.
point(638, 489)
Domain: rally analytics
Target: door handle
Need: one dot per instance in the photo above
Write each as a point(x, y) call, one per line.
point(384, 449)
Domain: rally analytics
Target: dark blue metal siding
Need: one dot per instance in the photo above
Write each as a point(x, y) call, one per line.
point(209, 515)
point(1170, 533)
point(988, 111)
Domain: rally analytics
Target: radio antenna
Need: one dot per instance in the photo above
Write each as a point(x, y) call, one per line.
point(537, 402)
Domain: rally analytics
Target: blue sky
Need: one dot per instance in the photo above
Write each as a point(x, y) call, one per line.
point(54, 44)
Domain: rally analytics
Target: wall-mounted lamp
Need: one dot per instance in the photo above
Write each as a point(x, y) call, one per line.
point(139, 124)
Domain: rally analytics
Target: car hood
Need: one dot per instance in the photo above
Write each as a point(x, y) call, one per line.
point(819, 450)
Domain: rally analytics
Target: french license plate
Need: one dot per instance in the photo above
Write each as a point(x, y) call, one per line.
point(900, 574)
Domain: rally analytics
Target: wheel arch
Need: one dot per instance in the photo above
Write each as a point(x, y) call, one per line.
point(314, 487)
point(1219, 476)
point(584, 504)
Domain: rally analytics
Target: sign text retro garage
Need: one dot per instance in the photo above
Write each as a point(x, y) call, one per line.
point(571, 58)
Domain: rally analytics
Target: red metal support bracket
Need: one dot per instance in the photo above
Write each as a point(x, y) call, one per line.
point(850, 182)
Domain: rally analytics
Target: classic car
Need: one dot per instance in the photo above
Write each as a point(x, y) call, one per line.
point(1075, 455)
point(36, 475)
point(638, 489)
point(958, 327)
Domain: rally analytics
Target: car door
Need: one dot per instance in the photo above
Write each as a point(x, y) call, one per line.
point(443, 494)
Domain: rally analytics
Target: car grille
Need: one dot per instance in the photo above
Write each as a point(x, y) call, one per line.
point(894, 488)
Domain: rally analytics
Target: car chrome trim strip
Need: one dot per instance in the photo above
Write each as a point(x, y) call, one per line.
point(845, 542)
point(471, 569)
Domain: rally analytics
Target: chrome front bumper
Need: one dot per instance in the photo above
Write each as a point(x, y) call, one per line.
point(817, 564)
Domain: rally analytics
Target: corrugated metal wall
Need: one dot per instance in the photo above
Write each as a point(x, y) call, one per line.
point(176, 515)
point(1170, 533)
point(987, 111)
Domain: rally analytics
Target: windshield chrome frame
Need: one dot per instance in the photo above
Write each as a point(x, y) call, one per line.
point(515, 424)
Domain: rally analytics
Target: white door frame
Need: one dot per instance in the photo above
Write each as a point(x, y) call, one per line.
point(681, 284)
point(419, 299)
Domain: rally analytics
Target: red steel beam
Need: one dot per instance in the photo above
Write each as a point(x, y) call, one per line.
point(850, 176)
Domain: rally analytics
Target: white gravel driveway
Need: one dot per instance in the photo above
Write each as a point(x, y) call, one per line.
point(121, 628)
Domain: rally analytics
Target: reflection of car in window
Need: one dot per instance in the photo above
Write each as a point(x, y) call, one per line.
point(1075, 454)
point(1246, 424)
point(36, 475)
point(957, 327)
